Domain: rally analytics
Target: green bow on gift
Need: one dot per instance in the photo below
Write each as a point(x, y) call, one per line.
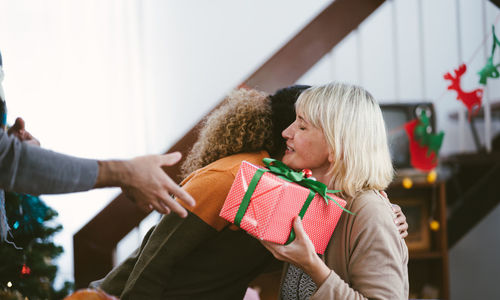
point(283, 171)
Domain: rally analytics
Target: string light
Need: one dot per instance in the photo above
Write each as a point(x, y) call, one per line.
point(432, 176)
point(9, 284)
point(434, 225)
point(407, 183)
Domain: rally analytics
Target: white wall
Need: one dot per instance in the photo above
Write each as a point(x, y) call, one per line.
point(113, 79)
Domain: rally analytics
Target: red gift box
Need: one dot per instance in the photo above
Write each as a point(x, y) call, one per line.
point(274, 204)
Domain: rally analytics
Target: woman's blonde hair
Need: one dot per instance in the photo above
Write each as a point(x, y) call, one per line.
point(353, 126)
point(241, 124)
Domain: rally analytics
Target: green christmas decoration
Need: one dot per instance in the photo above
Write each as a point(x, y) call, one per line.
point(490, 69)
point(425, 137)
point(26, 266)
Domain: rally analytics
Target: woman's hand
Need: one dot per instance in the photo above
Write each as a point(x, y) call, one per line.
point(301, 253)
point(400, 218)
point(400, 221)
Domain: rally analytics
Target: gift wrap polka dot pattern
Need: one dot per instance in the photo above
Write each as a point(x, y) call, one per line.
point(273, 206)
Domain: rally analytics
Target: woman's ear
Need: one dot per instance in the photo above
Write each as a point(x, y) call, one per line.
point(331, 156)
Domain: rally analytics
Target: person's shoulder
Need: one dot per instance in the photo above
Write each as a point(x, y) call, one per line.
point(232, 163)
point(371, 204)
point(371, 199)
point(222, 171)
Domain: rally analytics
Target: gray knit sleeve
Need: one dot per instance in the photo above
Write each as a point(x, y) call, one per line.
point(33, 170)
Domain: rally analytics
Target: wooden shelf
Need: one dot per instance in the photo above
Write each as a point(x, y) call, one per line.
point(426, 255)
point(428, 264)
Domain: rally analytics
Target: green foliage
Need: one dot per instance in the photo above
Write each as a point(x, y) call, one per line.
point(32, 229)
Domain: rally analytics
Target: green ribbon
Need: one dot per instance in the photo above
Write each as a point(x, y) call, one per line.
point(284, 172)
point(302, 212)
point(248, 194)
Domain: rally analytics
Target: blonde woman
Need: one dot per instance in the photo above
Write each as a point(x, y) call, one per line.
point(339, 134)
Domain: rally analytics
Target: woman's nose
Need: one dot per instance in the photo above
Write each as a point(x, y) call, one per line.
point(287, 133)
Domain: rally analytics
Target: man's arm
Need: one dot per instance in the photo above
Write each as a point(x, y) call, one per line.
point(28, 169)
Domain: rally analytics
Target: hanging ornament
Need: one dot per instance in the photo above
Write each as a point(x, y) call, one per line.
point(25, 270)
point(425, 137)
point(471, 100)
point(490, 69)
point(307, 173)
point(407, 183)
point(423, 154)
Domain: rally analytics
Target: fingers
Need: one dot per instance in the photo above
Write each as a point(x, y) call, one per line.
point(178, 192)
point(396, 208)
point(18, 128)
point(172, 187)
point(300, 233)
point(170, 159)
point(403, 229)
point(19, 124)
point(400, 221)
point(170, 204)
point(301, 236)
point(19, 131)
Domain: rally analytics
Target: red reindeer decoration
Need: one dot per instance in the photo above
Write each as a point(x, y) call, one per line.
point(472, 100)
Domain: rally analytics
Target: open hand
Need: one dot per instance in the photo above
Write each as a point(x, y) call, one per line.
point(150, 187)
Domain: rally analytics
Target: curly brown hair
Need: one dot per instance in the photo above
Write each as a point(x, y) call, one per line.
point(241, 124)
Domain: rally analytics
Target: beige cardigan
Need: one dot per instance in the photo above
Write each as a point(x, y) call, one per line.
point(367, 256)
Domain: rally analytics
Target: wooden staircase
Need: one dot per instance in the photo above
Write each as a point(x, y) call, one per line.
point(473, 191)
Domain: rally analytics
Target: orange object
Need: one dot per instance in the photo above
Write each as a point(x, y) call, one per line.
point(431, 177)
point(90, 294)
point(434, 225)
point(25, 270)
point(407, 183)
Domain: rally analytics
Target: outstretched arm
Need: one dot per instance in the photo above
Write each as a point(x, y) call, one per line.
point(34, 170)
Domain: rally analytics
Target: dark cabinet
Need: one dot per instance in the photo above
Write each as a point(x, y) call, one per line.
point(424, 205)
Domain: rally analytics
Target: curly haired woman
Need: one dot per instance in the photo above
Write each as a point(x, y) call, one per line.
point(203, 256)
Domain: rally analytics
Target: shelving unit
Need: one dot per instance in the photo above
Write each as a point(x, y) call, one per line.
point(428, 265)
